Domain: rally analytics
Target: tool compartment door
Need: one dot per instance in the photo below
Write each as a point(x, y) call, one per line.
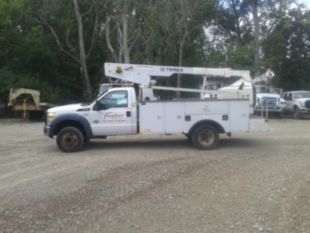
point(152, 118)
point(239, 116)
point(174, 117)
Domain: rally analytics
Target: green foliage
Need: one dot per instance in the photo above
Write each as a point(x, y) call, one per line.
point(9, 80)
point(220, 33)
point(287, 50)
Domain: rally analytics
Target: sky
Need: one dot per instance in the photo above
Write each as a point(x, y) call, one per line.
point(306, 2)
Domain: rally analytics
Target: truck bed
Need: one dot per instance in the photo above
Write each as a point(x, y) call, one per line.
point(171, 117)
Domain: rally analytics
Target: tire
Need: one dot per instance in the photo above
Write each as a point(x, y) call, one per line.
point(297, 114)
point(205, 137)
point(70, 139)
point(86, 141)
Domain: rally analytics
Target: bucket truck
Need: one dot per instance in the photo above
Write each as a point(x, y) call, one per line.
point(120, 111)
point(268, 99)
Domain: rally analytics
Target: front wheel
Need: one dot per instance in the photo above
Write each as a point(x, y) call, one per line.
point(70, 139)
point(205, 138)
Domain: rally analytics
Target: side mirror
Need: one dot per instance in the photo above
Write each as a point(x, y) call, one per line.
point(99, 106)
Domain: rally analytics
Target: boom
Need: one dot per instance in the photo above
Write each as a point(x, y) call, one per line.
point(142, 74)
point(264, 78)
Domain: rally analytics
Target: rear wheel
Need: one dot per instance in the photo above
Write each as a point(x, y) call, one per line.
point(70, 139)
point(205, 137)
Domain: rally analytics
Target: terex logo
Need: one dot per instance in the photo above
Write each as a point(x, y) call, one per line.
point(172, 69)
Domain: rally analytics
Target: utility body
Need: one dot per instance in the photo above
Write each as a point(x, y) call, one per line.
point(120, 111)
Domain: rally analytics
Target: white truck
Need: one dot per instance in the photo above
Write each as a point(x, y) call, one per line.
point(120, 112)
point(297, 103)
point(268, 100)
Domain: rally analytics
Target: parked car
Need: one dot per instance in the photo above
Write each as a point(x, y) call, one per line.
point(297, 103)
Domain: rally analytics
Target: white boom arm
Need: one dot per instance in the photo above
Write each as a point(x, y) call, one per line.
point(264, 78)
point(141, 74)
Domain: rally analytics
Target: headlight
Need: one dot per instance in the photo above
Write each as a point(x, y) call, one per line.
point(302, 103)
point(51, 116)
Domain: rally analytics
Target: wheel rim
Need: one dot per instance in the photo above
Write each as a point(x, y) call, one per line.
point(206, 138)
point(69, 140)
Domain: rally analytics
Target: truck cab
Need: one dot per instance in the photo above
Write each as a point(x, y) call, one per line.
point(297, 103)
point(113, 113)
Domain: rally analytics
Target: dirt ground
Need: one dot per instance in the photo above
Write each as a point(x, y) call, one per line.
point(250, 183)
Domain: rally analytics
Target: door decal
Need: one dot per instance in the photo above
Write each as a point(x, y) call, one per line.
point(113, 117)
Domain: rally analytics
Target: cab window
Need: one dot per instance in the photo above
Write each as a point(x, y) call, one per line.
point(115, 99)
point(290, 96)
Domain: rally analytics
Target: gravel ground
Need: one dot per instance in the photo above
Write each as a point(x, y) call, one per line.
point(250, 183)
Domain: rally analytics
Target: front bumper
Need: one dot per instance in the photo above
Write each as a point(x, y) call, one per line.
point(269, 109)
point(48, 131)
point(305, 110)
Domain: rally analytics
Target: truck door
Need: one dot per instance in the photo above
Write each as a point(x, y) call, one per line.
point(289, 103)
point(111, 115)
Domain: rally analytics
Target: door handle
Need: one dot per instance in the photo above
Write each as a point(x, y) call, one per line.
point(128, 113)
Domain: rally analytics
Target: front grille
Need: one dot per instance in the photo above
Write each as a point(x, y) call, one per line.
point(269, 101)
point(307, 104)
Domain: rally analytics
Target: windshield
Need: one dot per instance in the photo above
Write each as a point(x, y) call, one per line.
point(303, 94)
point(90, 102)
point(265, 89)
point(104, 88)
point(102, 91)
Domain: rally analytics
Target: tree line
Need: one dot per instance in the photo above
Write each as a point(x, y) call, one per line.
point(59, 46)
